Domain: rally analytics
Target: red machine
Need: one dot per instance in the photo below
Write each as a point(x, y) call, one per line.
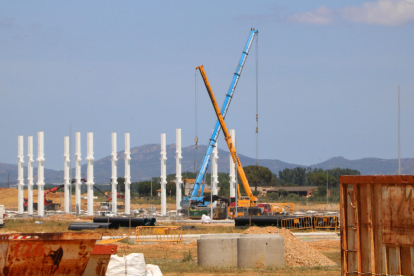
point(49, 205)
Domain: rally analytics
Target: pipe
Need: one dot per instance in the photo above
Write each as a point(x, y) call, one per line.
point(232, 167)
point(127, 222)
point(78, 177)
point(77, 226)
point(261, 221)
point(30, 175)
point(178, 178)
point(163, 175)
point(114, 178)
point(90, 182)
point(40, 174)
point(66, 169)
point(20, 174)
point(127, 174)
point(214, 172)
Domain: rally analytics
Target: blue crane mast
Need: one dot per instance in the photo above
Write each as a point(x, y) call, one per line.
point(193, 198)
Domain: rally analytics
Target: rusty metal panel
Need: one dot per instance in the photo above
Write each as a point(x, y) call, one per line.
point(99, 260)
point(46, 253)
point(377, 225)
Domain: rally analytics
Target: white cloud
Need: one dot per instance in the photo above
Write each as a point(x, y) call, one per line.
point(381, 12)
point(321, 16)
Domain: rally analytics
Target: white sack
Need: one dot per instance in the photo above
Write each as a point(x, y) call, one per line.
point(153, 270)
point(205, 219)
point(135, 265)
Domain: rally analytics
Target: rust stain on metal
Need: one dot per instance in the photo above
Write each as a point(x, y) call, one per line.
point(45, 253)
point(380, 210)
point(99, 260)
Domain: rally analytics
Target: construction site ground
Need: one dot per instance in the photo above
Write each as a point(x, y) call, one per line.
point(302, 257)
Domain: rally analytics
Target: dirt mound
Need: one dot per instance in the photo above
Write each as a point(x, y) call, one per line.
point(297, 252)
point(325, 244)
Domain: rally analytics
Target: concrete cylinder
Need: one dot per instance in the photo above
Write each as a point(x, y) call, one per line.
point(260, 251)
point(217, 251)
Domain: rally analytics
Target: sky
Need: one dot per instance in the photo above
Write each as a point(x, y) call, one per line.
point(328, 75)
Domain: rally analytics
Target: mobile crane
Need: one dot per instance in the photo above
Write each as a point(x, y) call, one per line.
point(249, 205)
point(193, 198)
point(48, 203)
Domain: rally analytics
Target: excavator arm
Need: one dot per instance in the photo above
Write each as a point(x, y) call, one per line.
point(229, 141)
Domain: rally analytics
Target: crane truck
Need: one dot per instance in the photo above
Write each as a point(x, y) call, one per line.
point(244, 206)
point(49, 205)
point(193, 199)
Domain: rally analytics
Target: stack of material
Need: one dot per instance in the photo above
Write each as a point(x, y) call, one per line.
point(297, 252)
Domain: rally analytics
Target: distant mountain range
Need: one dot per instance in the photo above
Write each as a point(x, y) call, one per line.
point(145, 164)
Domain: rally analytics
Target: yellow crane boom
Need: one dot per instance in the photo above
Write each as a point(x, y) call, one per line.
point(229, 141)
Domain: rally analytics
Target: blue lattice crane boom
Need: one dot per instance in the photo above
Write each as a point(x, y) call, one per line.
point(194, 198)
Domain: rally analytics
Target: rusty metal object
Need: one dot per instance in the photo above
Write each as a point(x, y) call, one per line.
point(99, 260)
point(297, 223)
point(159, 234)
point(377, 225)
point(45, 253)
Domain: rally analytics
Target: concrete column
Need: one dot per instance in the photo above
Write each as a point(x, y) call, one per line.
point(233, 188)
point(20, 175)
point(214, 172)
point(114, 178)
point(66, 168)
point(127, 175)
point(178, 179)
point(78, 177)
point(90, 182)
point(40, 174)
point(30, 175)
point(163, 175)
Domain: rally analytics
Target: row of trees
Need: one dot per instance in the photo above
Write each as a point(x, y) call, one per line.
point(256, 175)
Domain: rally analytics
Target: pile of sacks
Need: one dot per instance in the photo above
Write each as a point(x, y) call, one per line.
point(132, 264)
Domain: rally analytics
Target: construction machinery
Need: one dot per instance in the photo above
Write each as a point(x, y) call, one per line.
point(193, 198)
point(49, 205)
point(248, 206)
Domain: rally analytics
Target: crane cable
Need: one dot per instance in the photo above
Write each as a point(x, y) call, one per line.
point(196, 118)
point(257, 100)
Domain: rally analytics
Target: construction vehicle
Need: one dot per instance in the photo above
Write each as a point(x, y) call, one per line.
point(48, 203)
point(251, 202)
point(193, 198)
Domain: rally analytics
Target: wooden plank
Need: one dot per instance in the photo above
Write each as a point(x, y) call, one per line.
point(406, 264)
point(344, 233)
point(393, 260)
point(365, 227)
point(379, 246)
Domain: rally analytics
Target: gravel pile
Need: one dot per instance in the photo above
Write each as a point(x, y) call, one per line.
point(297, 252)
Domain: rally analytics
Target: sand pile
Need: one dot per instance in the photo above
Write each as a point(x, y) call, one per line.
point(325, 244)
point(297, 252)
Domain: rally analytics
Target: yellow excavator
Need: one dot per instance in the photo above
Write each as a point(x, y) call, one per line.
point(245, 206)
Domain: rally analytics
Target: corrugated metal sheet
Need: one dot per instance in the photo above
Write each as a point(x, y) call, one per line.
point(377, 225)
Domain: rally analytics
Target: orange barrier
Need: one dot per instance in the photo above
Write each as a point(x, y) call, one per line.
point(298, 223)
point(159, 234)
point(326, 222)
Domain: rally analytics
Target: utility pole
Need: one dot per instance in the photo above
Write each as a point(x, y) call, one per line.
point(399, 134)
point(327, 188)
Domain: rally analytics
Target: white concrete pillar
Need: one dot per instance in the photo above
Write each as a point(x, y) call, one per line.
point(40, 174)
point(214, 173)
point(233, 187)
point(163, 175)
point(30, 175)
point(89, 179)
point(178, 179)
point(78, 177)
point(66, 168)
point(127, 175)
point(114, 177)
point(20, 175)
